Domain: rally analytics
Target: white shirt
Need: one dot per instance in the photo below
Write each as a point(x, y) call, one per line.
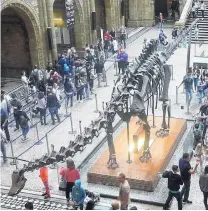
point(203, 6)
point(69, 52)
point(24, 80)
point(115, 45)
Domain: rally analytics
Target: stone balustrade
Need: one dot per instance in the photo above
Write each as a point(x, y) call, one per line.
point(185, 14)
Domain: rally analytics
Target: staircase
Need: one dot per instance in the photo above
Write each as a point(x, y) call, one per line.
point(203, 26)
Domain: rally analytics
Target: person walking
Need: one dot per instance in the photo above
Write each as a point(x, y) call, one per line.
point(203, 8)
point(25, 82)
point(44, 177)
point(203, 184)
point(70, 175)
point(124, 191)
point(53, 106)
point(115, 46)
point(188, 84)
point(174, 183)
point(41, 107)
point(113, 34)
point(186, 171)
point(99, 70)
point(23, 120)
point(78, 195)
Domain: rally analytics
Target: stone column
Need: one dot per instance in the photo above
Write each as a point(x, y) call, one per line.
point(108, 12)
point(44, 25)
point(141, 13)
point(49, 9)
point(92, 9)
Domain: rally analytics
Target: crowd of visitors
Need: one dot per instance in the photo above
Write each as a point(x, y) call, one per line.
point(196, 7)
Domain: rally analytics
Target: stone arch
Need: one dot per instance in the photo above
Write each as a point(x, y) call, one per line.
point(30, 17)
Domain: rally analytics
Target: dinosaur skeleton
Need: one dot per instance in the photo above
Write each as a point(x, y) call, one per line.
point(146, 79)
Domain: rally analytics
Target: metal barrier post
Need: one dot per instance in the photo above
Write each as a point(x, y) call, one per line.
point(66, 108)
point(106, 80)
point(39, 142)
point(103, 104)
point(72, 128)
point(177, 96)
point(96, 104)
point(172, 72)
point(116, 67)
point(47, 143)
point(80, 127)
point(13, 162)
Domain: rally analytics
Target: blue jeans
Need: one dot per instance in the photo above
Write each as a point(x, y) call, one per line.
point(25, 131)
point(54, 111)
point(195, 83)
point(69, 96)
point(86, 91)
point(189, 95)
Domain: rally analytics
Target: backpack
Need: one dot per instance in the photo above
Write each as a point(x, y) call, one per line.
point(22, 120)
point(197, 134)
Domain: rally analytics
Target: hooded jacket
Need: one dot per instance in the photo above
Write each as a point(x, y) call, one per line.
point(122, 57)
point(78, 193)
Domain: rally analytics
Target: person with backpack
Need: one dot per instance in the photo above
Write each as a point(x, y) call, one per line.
point(70, 174)
point(53, 106)
point(78, 195)
point(203, 184)
point(15, 103)
point(174, 183)
point(23, 120)
point(197, 133)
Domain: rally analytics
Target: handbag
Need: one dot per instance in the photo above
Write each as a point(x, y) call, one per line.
point(63, 182)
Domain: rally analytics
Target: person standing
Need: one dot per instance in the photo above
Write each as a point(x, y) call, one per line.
point(115, 46)
point(122, 59)
point(78, 195)
point(53, 106)
point(5, 116)
point(203, 184)
point(174, 183)
point(25, 82)
point(70, 175)
point(41, 106)
point(186, 171)
point(44, 177)
point(113, 34)
point(69, 91)
point(123, 36)
point(3, 148)
point(99, 70)
point(15, 103)
point(23, 120)
point(124, 191)
point(203, 8)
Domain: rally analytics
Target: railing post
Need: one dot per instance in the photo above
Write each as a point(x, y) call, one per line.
point(13, 162)
point(47, 143)
point(177, 95)
point(96, 104)
point(72, 128)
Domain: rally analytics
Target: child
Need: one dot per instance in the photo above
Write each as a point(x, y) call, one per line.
point(44, 178)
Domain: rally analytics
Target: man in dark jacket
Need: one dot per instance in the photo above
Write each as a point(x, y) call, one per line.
point(53, 106)
point(174, 182)
point(69, 91)
point(23, 120)
point(15, 103)
point(186, 172)
point(99, 70)
point(203, 184)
